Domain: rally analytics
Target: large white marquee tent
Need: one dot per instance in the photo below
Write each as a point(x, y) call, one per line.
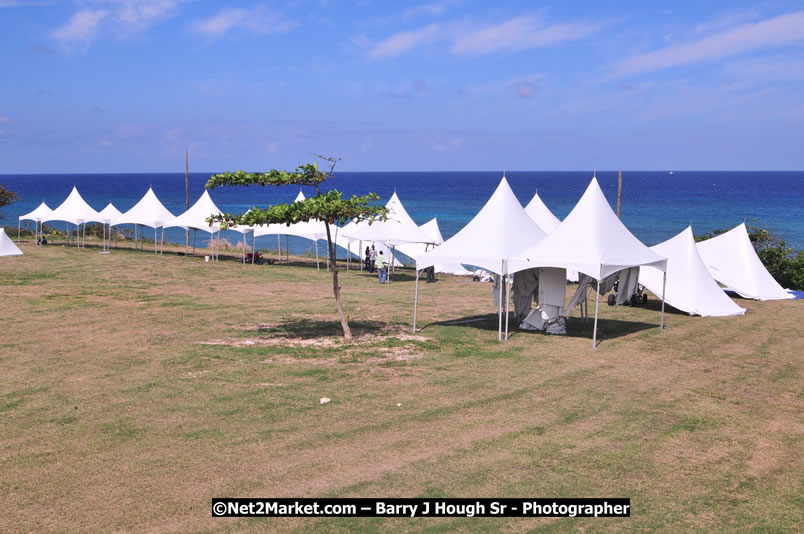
point(592, 240)
point(73, 210)
point(434, 232)
point(499, 231)
point(732, 261)
point(42, 211)
point(690, 287)
point(540, 213)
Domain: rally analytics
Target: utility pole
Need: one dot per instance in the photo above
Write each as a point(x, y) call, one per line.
point(187, 197)
point(619, 192)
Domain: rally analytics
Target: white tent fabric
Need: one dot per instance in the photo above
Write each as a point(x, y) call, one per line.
point(732, 261)
point(690, 287)
point(108, 214)
point(398, 227)
point(541, 214)
point(434, 233)
point(7, 246)
point(42, 212)
point(196, 216)
point(499, 231)
point(74, 209)
point(591, 240)
point(149, 211)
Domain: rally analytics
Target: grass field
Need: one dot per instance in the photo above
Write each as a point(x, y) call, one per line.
point(134, 388)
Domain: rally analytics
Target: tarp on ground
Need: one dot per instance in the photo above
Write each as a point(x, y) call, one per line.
point(149, 211)
point(732, 261)
point(74, 210)
point(591, 239)
point(433, 232)
point(7, 246)
point(690, 287)
point(196, 216)
point(499, 231)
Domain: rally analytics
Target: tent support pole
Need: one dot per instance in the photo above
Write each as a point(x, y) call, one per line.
point(195, 234)
point(84, 238)
point(597, 306)
point(244, 248)
point(315, 245)
point(360, 248)
point(664, 284)
point(287, 248)
point(499, 306)
point(278, 247)
point(253, 245)
point(507, 308)
point(19, 227)
point(156, 241)
point(415, 301)
point(162, 242)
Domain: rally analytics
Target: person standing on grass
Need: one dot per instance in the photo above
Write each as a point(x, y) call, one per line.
point(381, 268)
point(368, 259)
point(372, 259)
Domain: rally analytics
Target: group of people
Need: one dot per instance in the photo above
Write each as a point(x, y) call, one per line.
point(376, 261)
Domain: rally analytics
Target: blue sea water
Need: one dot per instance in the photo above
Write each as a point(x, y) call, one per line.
point(655, 205)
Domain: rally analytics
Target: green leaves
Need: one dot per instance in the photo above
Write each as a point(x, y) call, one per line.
point(330, 207)
point(304, 175)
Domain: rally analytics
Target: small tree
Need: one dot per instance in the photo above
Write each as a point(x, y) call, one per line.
point(6, 197)
point(329, 207)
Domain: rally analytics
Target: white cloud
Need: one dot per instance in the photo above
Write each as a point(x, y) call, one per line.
point(766, 68)
point(404, 41)
point(257, 20)
point(134, 16)
point(523, 32)
point(774, 32)
point(80, 31)
point(432, 10)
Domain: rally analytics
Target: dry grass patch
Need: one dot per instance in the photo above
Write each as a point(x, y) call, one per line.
point(134, 388)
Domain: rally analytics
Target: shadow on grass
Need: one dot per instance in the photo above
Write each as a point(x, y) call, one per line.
point(307, 329)
point(576, 327)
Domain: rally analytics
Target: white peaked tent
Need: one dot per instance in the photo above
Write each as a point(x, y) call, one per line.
point(690, 287)
point(149, 211)
point(41, 212)
point(74, 210)
point(7, 246)
point(592, 240)
point(106, 216)
point(414, 249)
point(732, 261)
point(540, 213)
point(499, 231)
point(196, 217)
point(398, 227)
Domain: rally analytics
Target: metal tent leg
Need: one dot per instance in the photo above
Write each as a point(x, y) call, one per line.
point(416, 301)
point(664, 284)
point(597, 306)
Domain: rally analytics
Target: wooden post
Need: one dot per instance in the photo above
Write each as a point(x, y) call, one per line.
point(619, 192)
point(186, 197)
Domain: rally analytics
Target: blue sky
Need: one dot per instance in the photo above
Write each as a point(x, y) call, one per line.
point(129, 85)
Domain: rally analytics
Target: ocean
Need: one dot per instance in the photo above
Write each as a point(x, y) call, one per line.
point(655, 205)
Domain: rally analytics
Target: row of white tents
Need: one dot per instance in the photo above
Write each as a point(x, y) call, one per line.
point(505, 238)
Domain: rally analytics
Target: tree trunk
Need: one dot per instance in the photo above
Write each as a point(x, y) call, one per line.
point(336, 289)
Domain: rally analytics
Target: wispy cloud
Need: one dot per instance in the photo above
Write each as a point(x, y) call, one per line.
point(774, 32)
point(518, 33)
point(523, 32)
point(123, 17)
point(522, 86)
point(406, 91)
point(766, 68)
point(80, 31)
point(258, 20)
point(401, 42)
point(432, 10)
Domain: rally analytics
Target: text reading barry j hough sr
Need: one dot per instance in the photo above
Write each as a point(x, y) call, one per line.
point(611, 507)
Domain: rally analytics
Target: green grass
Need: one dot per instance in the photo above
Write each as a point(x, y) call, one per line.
point(117, 414)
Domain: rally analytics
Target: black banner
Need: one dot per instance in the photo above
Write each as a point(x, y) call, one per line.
point(266, 507)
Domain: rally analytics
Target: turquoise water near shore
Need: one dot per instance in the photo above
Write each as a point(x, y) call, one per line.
point(656, 205)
